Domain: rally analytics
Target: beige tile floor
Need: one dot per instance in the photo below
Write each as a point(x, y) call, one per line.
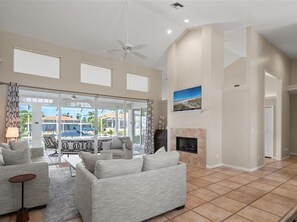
point(225, 194)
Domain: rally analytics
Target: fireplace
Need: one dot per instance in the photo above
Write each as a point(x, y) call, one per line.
point(186, 144)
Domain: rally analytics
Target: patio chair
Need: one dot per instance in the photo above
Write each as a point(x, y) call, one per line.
point(50, 142)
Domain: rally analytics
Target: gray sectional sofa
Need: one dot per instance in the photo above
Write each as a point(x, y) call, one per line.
point(148, 191)
point(36, 191)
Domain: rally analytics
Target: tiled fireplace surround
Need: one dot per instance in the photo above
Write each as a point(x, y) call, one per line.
point(190, 158)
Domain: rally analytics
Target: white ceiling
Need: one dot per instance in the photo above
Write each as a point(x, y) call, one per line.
point(95, 25)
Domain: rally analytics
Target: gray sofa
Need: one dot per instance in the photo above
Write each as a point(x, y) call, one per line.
point(130, 198)
point(120, 147)
point(36, 191)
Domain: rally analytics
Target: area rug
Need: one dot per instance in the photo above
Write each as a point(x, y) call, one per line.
point(61, 206)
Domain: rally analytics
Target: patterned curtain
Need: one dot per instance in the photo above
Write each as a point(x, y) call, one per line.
point(149, 138)
point(12, 111)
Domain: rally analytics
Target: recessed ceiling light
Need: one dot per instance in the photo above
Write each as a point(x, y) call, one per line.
point(186, 20)
point(169, 31)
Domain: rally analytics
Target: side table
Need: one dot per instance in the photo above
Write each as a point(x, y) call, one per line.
point(22, 214)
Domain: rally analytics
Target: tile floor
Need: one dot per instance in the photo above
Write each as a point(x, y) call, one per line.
point(225, 194)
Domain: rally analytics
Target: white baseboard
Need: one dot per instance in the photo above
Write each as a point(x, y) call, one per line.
point(286, 157)
point(293, 154)
point(243, 168)
point(213, 166)
point(234, 167)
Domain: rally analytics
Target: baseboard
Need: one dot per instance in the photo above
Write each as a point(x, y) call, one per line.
point(242, 168)
point(293, 154)
point(286, 157)
point(213, 166)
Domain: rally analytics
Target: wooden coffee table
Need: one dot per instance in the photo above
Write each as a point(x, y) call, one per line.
point(22, 214)
point(72, 161)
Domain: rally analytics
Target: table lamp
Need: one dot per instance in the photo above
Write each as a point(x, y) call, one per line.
point(12, 134)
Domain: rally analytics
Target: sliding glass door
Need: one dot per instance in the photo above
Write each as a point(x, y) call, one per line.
point(75, 117)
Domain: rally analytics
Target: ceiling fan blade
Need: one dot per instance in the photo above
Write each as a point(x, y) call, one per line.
point(139, 55)
point(139, 47)
point(112, 50)
point(121, 43)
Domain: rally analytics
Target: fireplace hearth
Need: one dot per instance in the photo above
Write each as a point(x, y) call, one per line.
point(187, 144)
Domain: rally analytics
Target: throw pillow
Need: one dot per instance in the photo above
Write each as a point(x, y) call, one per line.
point(5, 146)
point(113, 168)
point(160, 160)
point(11, 157)
point(106, 145)
point(90, 159)
point(21, 145)
point(1, 158)
point(162, 149)
point(116, 143)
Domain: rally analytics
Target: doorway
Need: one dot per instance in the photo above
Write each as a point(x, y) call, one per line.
point(268, 131)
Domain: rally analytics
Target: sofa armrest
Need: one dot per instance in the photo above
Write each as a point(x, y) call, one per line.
point(37, 151)
point(36, 190)
point(84, 180)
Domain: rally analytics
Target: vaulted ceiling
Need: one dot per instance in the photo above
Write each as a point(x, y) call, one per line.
point(93, 26)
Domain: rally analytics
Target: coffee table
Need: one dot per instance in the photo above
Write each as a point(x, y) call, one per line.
point(22, 214)
point(72, 161)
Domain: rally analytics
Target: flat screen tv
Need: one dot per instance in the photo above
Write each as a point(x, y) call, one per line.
point(187, 99)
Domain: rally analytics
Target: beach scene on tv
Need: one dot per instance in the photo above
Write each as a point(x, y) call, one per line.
point(187, 99)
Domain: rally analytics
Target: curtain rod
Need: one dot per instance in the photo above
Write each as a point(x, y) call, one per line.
point(73, 92)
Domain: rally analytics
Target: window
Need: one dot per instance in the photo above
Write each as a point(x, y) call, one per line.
point(137, 82)
point(36, 64)
point(95, 75)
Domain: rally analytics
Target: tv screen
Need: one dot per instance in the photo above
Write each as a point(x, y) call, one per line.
point(187, 99)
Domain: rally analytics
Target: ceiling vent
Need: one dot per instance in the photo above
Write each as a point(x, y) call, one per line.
point(177, 5)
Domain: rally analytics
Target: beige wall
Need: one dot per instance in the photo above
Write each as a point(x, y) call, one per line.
point(263, 57)
point(197, 59)
point(293, 124)
point(243, 112)
point(293, 75)
point(235, 74)
point(70, 70)
point(3, 105)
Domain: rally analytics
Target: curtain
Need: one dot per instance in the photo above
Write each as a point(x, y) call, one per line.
point(12, 111)
point(149, 137)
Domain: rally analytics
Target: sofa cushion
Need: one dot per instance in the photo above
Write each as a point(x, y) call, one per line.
point(114, 152)
point(106, 145)
point(90, 159)
point(38, 159)
point(11, 157)
point(113, 168)
point(160, 160)
point(1, 158)
point(5, 146)
point(21, 145)
point(116, 143)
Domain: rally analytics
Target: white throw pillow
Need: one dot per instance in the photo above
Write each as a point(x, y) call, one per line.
point(116, 143)
point(162, 149)
point(160, 160)
point(90, 159)
point(5, 146)
point(11, 157)
point(21, 145)
point(113, 168)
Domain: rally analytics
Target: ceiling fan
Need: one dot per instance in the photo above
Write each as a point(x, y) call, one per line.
point(127, 48)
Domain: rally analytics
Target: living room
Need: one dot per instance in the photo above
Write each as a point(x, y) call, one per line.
point(92, 77)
